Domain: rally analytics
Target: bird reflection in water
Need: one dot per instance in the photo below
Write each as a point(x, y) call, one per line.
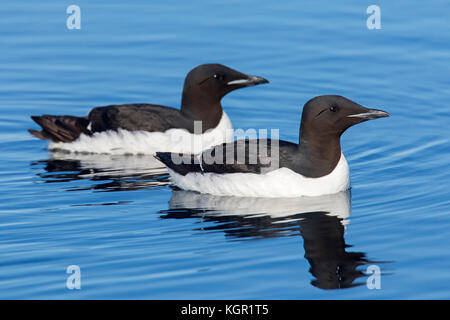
point(320, 220)
point(108, 172)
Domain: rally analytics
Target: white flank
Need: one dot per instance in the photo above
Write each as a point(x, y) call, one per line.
point(144, 142)
point(279, 183)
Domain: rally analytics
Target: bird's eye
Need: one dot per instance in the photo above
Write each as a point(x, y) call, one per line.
point(219, 76)
point(333, 108)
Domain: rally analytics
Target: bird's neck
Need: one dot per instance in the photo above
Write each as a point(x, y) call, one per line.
point(321, 151)
point(201, 107)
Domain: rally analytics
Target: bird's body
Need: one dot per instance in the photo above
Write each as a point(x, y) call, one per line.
point(172, 139)
point(276, 168)
point(278, 183)
point(146, 128)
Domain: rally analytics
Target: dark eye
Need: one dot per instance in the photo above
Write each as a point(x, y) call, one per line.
point(219, 76)
point(333, 108)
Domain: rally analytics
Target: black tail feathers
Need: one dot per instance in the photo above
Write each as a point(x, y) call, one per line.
point(180, 163)
point(60, 128)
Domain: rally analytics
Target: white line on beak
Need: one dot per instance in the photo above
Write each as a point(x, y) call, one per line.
point(371, 114)
point(360, 115)
point(239, 81)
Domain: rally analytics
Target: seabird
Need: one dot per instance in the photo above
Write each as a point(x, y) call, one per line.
point(276, 168)
point(142, 128)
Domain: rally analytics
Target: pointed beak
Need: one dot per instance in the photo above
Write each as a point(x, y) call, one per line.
point(370, 114)
point(247, 81)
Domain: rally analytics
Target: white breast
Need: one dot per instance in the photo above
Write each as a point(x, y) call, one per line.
point(144, 142)
point(282, 182)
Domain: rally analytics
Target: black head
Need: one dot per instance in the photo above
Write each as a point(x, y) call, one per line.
point(331, 115)
point(217, 80)
point(207, 84)
point(324, 119)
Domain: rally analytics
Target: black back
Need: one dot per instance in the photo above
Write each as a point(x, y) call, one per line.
point(148, 117)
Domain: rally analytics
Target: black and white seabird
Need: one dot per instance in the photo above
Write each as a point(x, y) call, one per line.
point(276, 168)
point(147, 128)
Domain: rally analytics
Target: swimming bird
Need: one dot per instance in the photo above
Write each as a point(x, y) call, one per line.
point(277, 168)
point(143, 128)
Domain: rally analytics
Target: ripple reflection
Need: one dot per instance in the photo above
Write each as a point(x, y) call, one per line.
point(108, 172)
point(320, 221)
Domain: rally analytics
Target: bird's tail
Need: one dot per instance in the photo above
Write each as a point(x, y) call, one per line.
point(180, 163)
point(60, 128)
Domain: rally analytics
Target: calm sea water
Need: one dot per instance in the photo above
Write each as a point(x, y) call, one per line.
point(133, 236)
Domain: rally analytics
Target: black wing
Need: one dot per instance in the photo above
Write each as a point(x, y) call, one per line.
point(245, 156)
point(133, 117)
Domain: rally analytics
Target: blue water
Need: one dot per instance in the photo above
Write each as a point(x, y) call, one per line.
point(133, 236)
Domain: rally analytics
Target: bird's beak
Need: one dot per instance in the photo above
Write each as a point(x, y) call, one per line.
point(247, 81)
point(370, 114)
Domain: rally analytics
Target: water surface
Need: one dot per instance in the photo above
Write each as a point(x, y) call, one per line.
point(150, 241)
